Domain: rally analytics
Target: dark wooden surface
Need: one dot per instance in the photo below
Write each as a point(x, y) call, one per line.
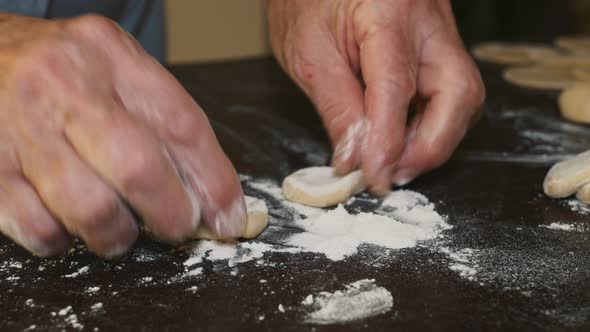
point(529, 277)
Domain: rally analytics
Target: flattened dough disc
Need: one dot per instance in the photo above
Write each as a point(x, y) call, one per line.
point(321, 187)
point(574, 44)
point(540, 77)
point(513, 54)
point(256, 223)
point(567, 177)
point(574, 103)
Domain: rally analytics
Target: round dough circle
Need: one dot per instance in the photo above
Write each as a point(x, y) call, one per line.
point(321, 187)
point(256, 222)
point(540, 77)
point(574, 103)
point(513, 54)
point(574, 44)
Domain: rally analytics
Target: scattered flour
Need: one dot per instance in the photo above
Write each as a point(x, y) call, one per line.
point(83, 270)
point(561, 227)
point(403, 219)
point(92, 290)
point(234, 252)
point(97, 306)
point(577, 206)
point(463, 261)
point(359, 300)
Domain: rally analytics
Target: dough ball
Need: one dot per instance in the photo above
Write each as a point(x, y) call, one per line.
point(321, 187)
point(574, 103)
point(541, 77)
point(579, 45)
point(567, 177)
point(513, 54)
point(583, 194)
point(255, 224)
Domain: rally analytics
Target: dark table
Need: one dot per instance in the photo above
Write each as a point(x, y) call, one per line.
point(529, 277)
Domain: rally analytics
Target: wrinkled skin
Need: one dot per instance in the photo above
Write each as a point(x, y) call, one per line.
point(91, 124)
point(362, 62)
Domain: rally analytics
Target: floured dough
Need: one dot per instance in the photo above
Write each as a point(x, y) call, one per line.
point(574, 44)
point(581, 73)
point(541, 77)
point(574, 103)
point(583, 194)
point(567, 177)
point(255, 224)
point(321, 187)
point(513, 54)
point(569, 61)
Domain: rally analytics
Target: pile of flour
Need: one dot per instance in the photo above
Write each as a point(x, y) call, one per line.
point(401, 220)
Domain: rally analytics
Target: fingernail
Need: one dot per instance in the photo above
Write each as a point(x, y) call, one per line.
point(231, 222)
point(345, 148)
point(404, 176)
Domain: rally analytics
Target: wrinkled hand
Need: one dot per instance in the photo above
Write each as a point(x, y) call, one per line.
point(89, 121)
point(362, 62)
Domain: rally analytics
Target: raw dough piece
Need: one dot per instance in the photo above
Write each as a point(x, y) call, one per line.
point(567, 61)
point(255, 224)
point(574, 44)
point(581, 73)
point(513, 54)
point(574, 103)
point(321, 187)
point(583, 194)
point(540, 77)
point(566, 177)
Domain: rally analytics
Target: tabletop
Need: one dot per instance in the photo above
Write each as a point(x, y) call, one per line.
point(507, 258)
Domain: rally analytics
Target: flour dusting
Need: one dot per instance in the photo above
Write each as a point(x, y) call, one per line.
point(402, 220)
point(359, 300)
point(561, 227)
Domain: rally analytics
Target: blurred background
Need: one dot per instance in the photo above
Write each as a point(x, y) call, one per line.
point(226, 29)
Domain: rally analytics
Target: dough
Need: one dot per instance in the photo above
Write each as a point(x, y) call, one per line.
point(574, 44)
point(566, 177)
point(255, 224)
point(321, 187)
point(568, 61)
point(583, 194)
point(574, 103)
point(581, 73)
point(513, 54)
point(540, 77)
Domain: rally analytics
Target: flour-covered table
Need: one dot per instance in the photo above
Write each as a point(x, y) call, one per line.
point(480, 246)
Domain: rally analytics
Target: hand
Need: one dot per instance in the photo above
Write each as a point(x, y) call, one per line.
point(88, 122)
point(362, 62)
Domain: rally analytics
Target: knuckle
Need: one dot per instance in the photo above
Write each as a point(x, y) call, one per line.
point(403, 84)
point(98, 26)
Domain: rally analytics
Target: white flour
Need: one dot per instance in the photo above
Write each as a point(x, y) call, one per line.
point(561, 227)
point(338, 234)
point(359, 300)
point(404, 218)
point(577, 206)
